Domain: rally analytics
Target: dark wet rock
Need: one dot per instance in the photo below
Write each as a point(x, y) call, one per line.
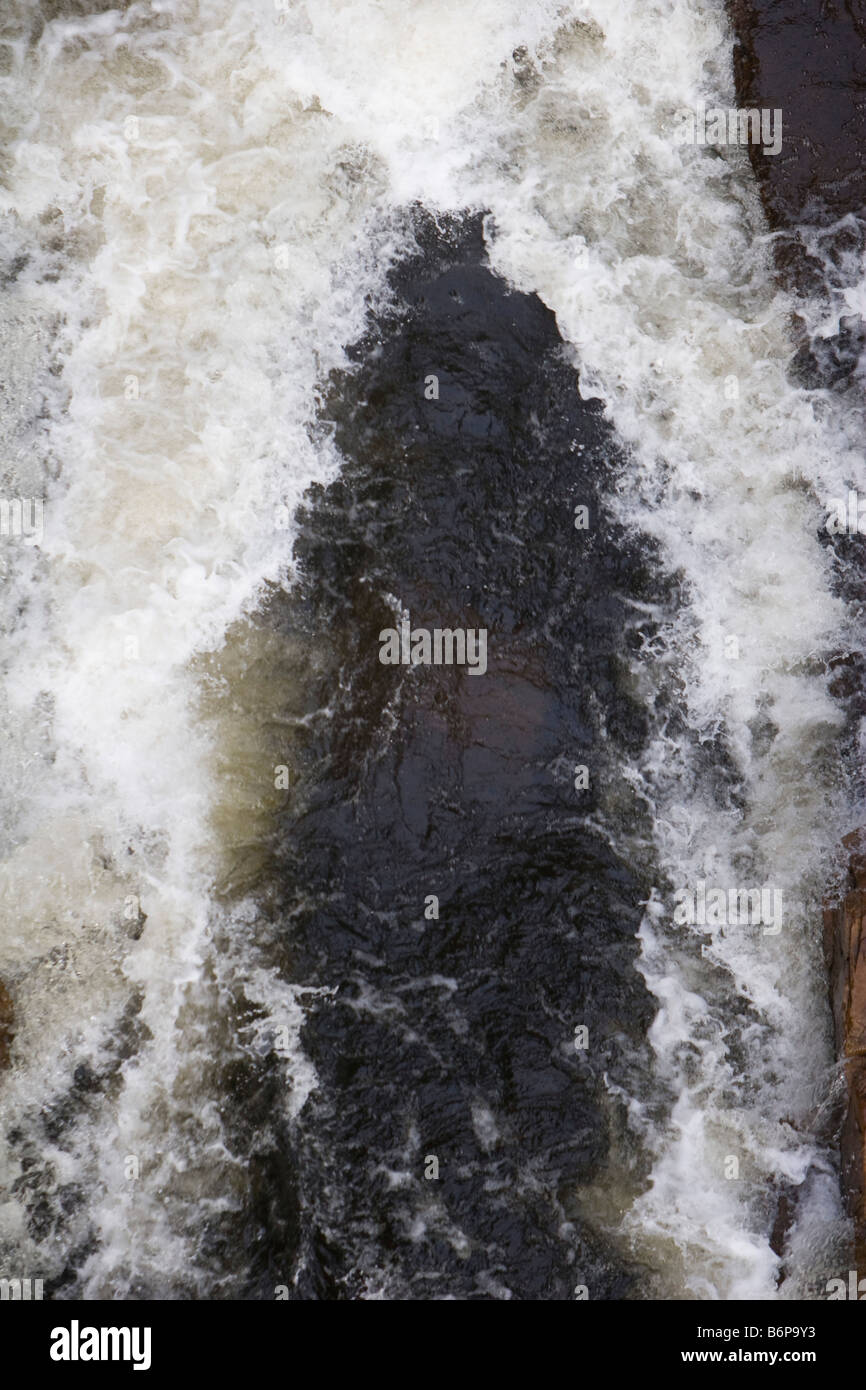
point(7, 1025)
point(809, 61)
point(453, 1039)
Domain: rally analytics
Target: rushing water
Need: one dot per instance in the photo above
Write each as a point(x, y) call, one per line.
point(237, 240)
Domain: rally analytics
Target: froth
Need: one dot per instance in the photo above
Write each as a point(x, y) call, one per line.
point(208, 196)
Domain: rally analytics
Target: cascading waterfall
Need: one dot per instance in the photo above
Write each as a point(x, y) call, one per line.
point(201, 203)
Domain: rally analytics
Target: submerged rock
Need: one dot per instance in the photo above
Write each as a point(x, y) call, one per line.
point(445, 879)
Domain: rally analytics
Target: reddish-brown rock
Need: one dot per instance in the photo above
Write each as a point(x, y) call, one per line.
point(845, 950)
point(7, 1025)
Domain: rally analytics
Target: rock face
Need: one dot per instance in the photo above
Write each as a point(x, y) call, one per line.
point(809, 61)
point(845, 950)
point(7, 1023)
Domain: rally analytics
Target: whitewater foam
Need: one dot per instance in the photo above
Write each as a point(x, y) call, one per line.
point(201, 200)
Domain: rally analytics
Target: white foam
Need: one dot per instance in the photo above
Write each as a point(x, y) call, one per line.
point(214, 187)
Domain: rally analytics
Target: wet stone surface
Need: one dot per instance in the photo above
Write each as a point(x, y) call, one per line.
point(809, 61)
point(453, 1037)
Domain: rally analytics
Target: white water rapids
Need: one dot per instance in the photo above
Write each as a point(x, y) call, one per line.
point(198, 201)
